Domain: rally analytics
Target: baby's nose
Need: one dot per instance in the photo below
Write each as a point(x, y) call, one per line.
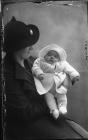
point(52, 56)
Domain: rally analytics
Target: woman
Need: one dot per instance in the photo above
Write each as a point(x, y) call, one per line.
point(27, 115)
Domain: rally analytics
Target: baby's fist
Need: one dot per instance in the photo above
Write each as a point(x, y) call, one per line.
point(41, 76)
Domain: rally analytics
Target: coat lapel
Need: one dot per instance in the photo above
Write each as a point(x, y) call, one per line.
point(26, 76)
point(22, 73)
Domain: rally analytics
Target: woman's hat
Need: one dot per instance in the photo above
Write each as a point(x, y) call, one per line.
point(55, 47)
point(18, 35)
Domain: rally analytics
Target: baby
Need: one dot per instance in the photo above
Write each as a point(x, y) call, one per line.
point(50, 70)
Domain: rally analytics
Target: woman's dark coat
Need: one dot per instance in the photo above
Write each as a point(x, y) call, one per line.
point(27, 116)
point(23, 101)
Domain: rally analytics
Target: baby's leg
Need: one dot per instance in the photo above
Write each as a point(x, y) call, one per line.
point(64, 86)
point(51, 103)
point(62, 103)
point(67, 82)
point(61, 90)
point(61, 95)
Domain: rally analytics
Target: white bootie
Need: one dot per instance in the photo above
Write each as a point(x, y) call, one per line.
point(55, 113)
point(62, 109)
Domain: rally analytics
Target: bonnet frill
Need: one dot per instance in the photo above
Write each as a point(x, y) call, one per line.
point(55, 47)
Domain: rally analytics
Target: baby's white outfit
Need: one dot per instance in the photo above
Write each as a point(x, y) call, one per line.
point(55, 73)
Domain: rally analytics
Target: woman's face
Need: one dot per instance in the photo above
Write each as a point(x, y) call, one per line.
point(52, 57)
point(24, 53)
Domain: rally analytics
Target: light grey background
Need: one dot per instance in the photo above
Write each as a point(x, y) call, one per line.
point(67, 27)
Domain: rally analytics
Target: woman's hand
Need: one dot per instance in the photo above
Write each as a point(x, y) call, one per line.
point(75, 79)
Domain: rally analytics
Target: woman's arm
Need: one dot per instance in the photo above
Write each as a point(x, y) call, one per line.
point(23, 101)
point(26, 106)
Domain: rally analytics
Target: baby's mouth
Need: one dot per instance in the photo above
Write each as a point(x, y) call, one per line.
point(51, 60)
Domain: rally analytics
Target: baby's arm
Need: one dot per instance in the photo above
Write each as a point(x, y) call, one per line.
point(36, 70)
point(72, 72)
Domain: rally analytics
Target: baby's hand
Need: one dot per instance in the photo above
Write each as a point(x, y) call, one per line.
point(41, 76)
point(75, 79)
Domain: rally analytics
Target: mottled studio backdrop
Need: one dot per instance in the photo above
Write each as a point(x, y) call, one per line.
point(67, 27)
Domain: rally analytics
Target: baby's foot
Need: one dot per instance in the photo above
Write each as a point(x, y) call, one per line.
point(62, 109)
point(55, 113)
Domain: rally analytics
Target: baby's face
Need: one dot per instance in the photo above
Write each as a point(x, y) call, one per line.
point(52, 57)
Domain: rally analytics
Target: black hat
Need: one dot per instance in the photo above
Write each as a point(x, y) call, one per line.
point(18, 35)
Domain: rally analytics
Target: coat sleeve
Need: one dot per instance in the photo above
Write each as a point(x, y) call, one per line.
point(36, 68)
point(72, 72)
point(24, 103)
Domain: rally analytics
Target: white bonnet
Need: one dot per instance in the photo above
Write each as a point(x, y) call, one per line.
point(55, 47)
